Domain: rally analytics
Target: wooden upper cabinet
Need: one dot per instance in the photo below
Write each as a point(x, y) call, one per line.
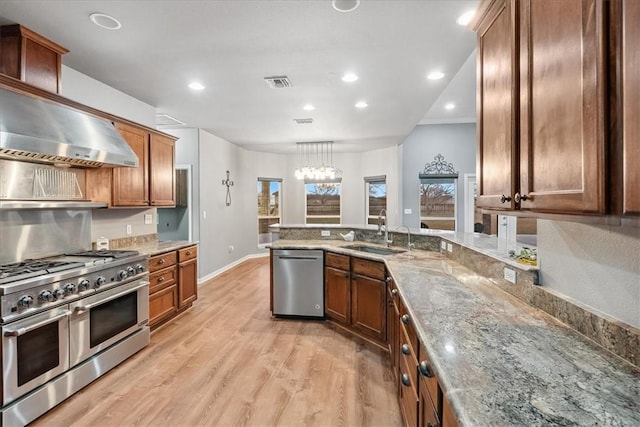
point(28, 56)
point(562, 106)
point(162, 171)
point(631, 106)
point(497, 80)
point(131, 185)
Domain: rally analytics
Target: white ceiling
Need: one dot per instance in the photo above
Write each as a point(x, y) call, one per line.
point(230, 46)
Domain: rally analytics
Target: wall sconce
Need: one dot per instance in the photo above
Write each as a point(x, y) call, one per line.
point(229, 184)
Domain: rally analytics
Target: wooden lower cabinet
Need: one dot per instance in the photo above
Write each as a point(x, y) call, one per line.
point(337, 297)
point(173, 278)
point(448, 419)
point(393, 326)
point(356, 295)
point(408, 395)
point(428, 417)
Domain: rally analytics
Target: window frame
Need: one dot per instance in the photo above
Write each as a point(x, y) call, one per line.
point(368, 180)
point(337, 181)
point(438, 180)
point(262, 245)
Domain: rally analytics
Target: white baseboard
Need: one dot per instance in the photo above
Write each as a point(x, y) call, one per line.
point(230, 266)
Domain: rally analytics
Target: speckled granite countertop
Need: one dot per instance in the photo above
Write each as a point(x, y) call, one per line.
point(160, 246)
point(500, 361)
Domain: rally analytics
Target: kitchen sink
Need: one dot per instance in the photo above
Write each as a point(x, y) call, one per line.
point(374, 250)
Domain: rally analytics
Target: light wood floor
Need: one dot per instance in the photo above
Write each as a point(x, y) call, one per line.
point(226, 362)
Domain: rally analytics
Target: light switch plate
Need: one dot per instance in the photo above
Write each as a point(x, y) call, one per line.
point(148, 219)
point(510, 275)
point(408, 211)
point(449, 247)
point(128, 229)
point(325, 233)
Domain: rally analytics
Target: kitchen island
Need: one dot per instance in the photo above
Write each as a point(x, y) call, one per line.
point(498, 360)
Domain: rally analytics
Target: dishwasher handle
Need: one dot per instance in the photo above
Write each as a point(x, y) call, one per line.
point(304, 258)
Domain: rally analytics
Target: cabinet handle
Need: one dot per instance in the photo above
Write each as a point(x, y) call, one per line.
point(405, 319)
point(518, 198)
point(188, 253)
point(425, 369)
point(161, 279)
point(161, 261)
point(394, 292)
point(405, 349)
point(405, 380)
point(388, 279)
point(504, 199)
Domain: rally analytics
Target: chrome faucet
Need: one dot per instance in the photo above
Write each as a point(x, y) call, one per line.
point(383, 213)
point(409, 244)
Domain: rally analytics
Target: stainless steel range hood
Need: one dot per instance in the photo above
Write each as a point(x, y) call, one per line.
point(39, 131)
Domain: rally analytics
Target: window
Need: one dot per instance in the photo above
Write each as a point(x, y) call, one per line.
point(376, 197)
point(438, 204)
point(269, 191)
point(322, 202)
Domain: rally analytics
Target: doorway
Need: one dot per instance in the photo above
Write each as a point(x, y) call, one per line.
point(175, 223)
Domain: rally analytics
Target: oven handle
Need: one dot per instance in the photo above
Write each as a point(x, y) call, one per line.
point(22, 331)
point(87, 307)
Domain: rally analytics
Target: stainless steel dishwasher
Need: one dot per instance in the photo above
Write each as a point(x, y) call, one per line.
point(298, 283)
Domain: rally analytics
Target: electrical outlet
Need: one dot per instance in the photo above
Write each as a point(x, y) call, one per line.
point(204, 214)
point(148, 219)
point(325, 233)
point(408, 211)
point(230, 248)
point(128, 229)
point(449, 247)
point(510, 275)
point(443, 245)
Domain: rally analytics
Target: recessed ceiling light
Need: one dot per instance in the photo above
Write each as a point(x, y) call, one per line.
point(105, 21)
point(349, 77)
point(450, 106)
point(435, 75)
point(196, 86)
point(465, 18)
point(345, 5)
point(361, 104)
point(308, 107)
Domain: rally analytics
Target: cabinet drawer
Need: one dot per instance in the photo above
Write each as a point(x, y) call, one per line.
point(427, 376)
point(407, 322)
point(161, 261)
point(408, 356)
point(187, 253)
point(161, 279)
point(408, 396)
point(368, 268)
point(340, 262)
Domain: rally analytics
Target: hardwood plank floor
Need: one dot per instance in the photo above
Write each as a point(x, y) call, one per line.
point(226, 362)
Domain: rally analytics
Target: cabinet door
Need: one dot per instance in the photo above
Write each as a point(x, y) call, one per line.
point(337, 295)
point(427, 413)
point(131, 185)
point(562, 88)
point(368, 306)
point(187, 282)
point(393, 325)
point(162, 171)
point(631, 105)
point(497, 105)
point(163, 304)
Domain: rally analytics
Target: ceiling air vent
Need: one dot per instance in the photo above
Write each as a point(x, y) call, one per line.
point(166, 120)
point(278, 82)
point(303, 121)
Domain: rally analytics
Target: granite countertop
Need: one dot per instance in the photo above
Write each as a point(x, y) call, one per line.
point(498, 360)
point(159, 246)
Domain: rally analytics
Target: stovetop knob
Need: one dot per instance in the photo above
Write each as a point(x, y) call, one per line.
point(139, 268)
point(99, 282)
point(70, 288)
point(58, 294)
point(131, 271)
point(45, 296)
point(25, 301)
point(122, 274)
point(83, 285)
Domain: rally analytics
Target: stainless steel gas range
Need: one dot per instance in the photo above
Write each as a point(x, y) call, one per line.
point(65, 321)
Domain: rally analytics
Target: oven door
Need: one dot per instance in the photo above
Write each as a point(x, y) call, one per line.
point(34, 350)
point(101, 320)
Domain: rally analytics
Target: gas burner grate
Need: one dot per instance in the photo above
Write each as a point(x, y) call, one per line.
point(33, 268)
point(106, 253)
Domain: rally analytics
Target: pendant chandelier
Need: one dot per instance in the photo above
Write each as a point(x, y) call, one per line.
point(315, 161)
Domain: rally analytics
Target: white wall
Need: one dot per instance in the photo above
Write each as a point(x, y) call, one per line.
point(596, 265)
point(354, 166)
point(112, 223)
point(88, 91)
point(456, 142)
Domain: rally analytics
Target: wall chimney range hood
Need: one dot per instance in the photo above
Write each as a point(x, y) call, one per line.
point(39, 131)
